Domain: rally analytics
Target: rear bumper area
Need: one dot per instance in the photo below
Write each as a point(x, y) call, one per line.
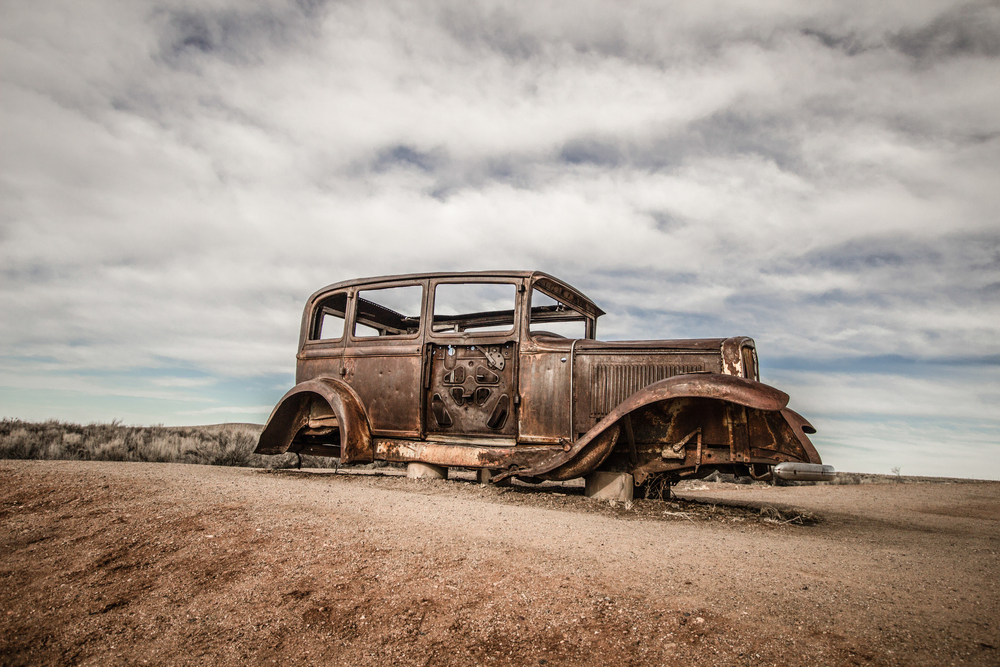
point(804, 472)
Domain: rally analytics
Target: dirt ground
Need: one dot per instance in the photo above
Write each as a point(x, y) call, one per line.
point(163, 564)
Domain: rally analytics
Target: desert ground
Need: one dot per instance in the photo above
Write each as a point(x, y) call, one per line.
point(115, 563)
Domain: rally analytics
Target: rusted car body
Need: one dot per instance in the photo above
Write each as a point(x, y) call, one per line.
point(502, 371)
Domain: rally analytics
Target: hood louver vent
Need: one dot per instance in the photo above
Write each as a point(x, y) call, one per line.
point(610, 384)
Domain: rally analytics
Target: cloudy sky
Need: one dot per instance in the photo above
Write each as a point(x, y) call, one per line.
point(176, 177)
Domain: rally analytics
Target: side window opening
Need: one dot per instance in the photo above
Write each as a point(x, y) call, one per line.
point(391, 311)
point(474, 307)
point(552, 317)
point(328, 320)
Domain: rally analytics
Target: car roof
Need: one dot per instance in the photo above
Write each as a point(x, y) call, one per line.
point(560, 285)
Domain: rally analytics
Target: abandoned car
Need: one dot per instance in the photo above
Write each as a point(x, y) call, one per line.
point(501, 371)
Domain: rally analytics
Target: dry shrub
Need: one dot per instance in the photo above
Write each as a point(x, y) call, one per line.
point(795, 516)
point(225, 445)
point(225, 448)
point(657, 487)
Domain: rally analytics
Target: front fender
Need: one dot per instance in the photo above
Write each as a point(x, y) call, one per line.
point(727, 388)
point(591, 451)
point(720, 421)
point(292, 413)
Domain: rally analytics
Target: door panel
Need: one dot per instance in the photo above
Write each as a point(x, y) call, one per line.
point(545, 408)
point(471, 390)
point(387, 379)
point(382, 358)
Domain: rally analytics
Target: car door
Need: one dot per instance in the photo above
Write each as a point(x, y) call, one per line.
point(383, 357)
point(548, 366)
point(471, 381)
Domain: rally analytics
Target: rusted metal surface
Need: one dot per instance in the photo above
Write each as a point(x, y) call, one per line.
point(415, 368)
point(471, 389)
point(319, 399)
point(463, 456)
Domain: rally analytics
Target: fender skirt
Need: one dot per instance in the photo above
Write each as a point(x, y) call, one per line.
point(295, 408)
point(590, 451)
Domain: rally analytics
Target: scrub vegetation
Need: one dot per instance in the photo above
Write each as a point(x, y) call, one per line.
point(233, 445)
point(222, 444)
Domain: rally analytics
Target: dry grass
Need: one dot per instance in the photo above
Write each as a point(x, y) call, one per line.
point(223, 445)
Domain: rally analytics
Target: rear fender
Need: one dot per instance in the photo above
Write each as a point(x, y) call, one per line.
point(323, 395)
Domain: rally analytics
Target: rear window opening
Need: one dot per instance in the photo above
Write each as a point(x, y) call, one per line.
point(392, 311)
point(328, 322)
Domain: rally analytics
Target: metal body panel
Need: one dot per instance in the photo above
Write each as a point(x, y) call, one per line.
point(471, 390)
point(450, 454)
point(544, 410)
point(327, 365)
point(713, 402)
point(311, 404)
point(387, 378)
point(608, 376)
point(680, 437)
